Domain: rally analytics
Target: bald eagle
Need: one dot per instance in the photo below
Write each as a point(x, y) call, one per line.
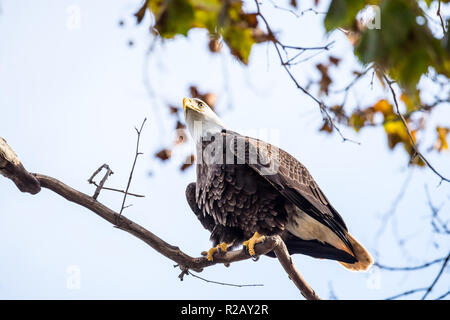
point(247, 189)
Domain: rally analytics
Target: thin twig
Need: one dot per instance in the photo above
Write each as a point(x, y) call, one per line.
point(438, 13)
point(428, 289)
point(435, 215)
point(102, 182)
point(101, 186)
point(391, 212)
point(311, 10)
point(276, 43)
point(225, 283)
point(137, 154)
point(443, 296)
point(354, 81)
point(96, 172)
point(422, 266)
point(436, 279)
point(121, 191)
point(284, 9)
point(406, 293)
point(283, 256)
point(412, 141)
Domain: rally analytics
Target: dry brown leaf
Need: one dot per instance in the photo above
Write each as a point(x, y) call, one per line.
point(164, 154)
point(188, 162)
point(325, 80)
point(334, 60)
point(326, 127)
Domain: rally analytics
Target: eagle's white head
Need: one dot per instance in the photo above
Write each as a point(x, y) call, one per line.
point(200, 119)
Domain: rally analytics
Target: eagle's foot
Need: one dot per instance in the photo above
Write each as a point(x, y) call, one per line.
point(250, 243)
point(219, 248)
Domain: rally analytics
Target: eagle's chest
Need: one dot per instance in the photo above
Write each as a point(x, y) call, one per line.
point(236, 196)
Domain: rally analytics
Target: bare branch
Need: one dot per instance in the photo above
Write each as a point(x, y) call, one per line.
point(184, 261)
point(283, 256)
point(311, 10)
point(284, 9)
point(411, 139)
point(438, 225)
point(285, 64)
point(354, 81)
point(102, 182)
point(138, 132)
point(438, 13)
point(436, 279)
point(428, 289)
point(123, 223)
point(121, 191)
point(224, 283)
point(422, 266)
point(406, 293)
point(443, 296)
point(12, 168)
point(390, 214)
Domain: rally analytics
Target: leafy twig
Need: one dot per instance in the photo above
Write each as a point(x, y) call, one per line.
point(277, 43)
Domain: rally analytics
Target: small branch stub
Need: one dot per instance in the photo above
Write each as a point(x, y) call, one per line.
point(12, 168)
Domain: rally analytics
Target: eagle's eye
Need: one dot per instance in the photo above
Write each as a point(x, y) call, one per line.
point(200, 104)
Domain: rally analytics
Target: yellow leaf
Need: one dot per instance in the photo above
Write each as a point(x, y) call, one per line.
point(411, 100)
point(396, 132)
point(441, 141)
point(384, 107)
point(357, 120)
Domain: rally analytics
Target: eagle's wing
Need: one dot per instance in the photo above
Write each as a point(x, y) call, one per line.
point(207, 221)
point(289, 177)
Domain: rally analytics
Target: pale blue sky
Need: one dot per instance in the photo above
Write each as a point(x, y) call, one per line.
point(69, 101)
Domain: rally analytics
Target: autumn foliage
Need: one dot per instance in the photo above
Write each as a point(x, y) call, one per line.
point(404, 49)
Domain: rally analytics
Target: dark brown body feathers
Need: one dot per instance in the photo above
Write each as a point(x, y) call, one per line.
point(234, 200)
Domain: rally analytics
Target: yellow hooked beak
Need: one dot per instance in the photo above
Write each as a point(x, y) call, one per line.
point(189, 103)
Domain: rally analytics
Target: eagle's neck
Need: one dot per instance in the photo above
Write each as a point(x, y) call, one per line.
point(203, 130)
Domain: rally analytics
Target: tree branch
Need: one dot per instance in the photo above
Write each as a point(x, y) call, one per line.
point(137, 154)
point(285, 64)
point(428, 289)
point(11, 167)
point(411, 139)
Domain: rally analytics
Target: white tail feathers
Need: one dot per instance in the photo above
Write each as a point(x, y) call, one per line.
point(361, 254)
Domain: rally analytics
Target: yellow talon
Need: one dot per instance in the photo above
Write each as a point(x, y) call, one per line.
point(250, 243)
point(221, 247)
point(211, 253)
